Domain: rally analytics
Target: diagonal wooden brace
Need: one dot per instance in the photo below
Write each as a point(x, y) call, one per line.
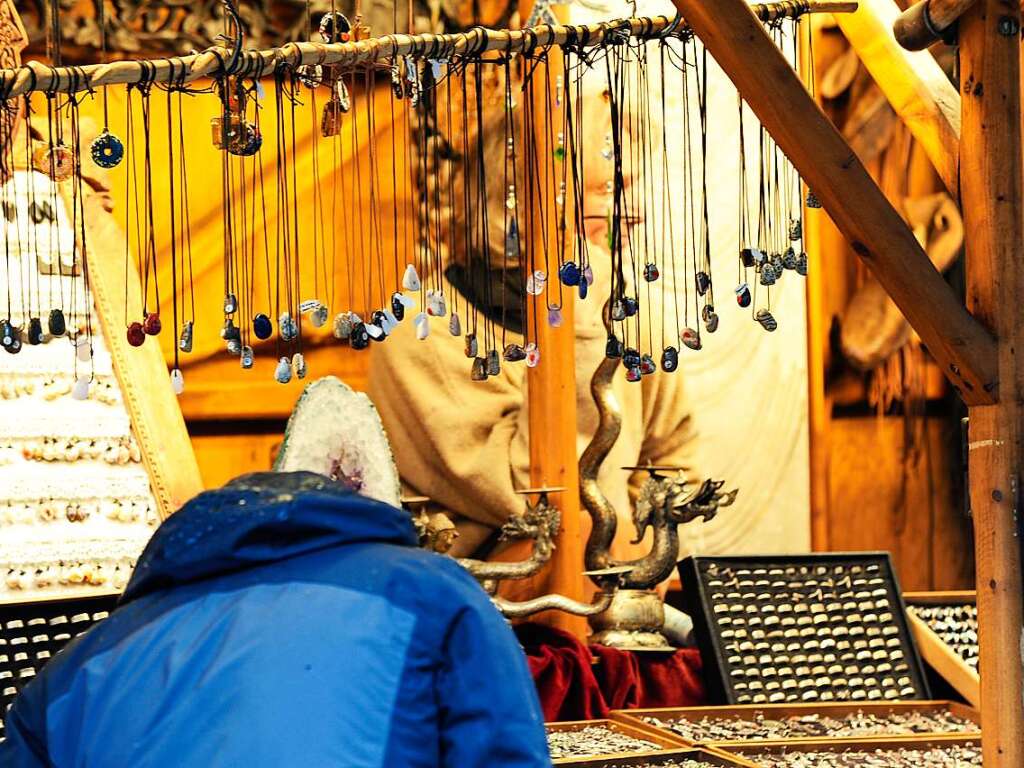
point(964, 349)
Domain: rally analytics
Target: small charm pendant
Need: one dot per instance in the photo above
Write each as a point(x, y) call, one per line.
point(588, 274)
point(555, 317)
point(299, 364)
point(801, 264)
point(669, 359)
point(7, 333)
point(15, 346)
point(341, 96)
point(584, 288)
point(330, 119)
point(633, 374)
point(230, 331)
point(388, 321)
point(283, 372)
point(651, 272)
point(234, 347)
point(569, 274)
point(789, 259)
point(796, 229)
point(764, 317)
point(631, 305)
point(560, 147)
point(513, 353)
point(262, 328)
point(247, 358)
point(57, 162)
point(710, 318)
point(472, 348)
point(318, 317)
point(743, 295)
point(177, 381)
point(335, 27)
point(56, 324)
point(493, 363)
point(455, 325)
point(535, 282)
point(35, 331)
point(342, 325)
point(512, 240)
point(768, 276)
point(310, 75)
point(185, 339)
point(107, 150)
point(703, 282)
point(690, 338)
point(230, 304)
point(812, 200)
point(398, 306)
point(747, 257)
point(81, 389)
point(479, 370)
point(375, 332)
point(618, 310)
point(287, 327)
point(630, 358)
point(778, 264)
point(510, 198)
point(647, 365)
point(532, 355)
point(152, 325)
point(359, 338)
point(436, 305)
point(613, 347)
point(422, 323)
point(411, 280)
point(83, 349)
point(136, 336)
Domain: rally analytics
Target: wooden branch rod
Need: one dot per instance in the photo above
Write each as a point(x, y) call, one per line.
point(924, 23)
point(35, 76)
point(963, 347)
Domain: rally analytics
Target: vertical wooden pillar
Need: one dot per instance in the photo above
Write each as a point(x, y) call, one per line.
point(992, 183)
point(552, 384)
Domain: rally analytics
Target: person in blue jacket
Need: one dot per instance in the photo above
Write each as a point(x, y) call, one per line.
point(284, 621)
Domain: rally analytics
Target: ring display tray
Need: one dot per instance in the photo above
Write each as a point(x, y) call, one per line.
point(737, 718)
point(945, 627)
point(676, 758)
point(33, 632)
point(777, 629)
point(936, 752)
point(606, 739)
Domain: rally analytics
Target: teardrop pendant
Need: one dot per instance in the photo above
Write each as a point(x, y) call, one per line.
point(411, 280)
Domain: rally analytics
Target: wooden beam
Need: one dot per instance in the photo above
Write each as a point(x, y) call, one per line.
point(992, 186)
point(965, 351)
point(914, 84)
point(923, 23)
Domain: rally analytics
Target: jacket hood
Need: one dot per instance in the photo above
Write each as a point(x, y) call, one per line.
point(261, 518)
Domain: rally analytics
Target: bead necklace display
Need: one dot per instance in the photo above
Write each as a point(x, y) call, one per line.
point(951, 756)
point(595, 740)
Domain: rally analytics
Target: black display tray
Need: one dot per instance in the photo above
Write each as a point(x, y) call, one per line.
point(34, 632)
point(816, 627)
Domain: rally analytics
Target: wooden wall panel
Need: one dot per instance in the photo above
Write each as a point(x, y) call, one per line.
point(913, 509)
point(223, 457)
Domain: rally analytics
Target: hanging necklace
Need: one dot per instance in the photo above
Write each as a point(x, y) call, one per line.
point(106, 150)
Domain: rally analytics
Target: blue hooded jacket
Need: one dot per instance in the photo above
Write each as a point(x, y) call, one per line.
point(282, 621)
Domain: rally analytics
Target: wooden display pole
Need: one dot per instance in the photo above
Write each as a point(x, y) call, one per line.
point(992, 184)
point(963, 348)
point(914, 84)
point(552, 384)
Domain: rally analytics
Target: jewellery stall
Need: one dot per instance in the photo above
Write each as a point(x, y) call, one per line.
point(812, 659)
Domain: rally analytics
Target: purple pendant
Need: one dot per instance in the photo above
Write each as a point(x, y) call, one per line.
point(555, 317)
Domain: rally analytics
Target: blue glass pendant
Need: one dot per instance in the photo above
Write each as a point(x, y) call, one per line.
point(107, 150)
point(262, 327)
point(569, 273)
point(631, 358)
point(630, 305)
point(584, 288)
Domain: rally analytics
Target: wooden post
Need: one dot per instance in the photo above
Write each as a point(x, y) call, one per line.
point(552, 384)
point(992, 184)
point(964, 349)
point(914, 84)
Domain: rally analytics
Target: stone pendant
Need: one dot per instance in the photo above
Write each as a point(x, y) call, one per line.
point(569, 274)
point(472, 348)
point(630, 358)
point(436, 305)
point(185, 339)
point(81, 389)
point(136, 336)
point(767, 321)
point(230, 304)
point(388, 321)
point(812, 200)
point(669, 359)
point(535, 282)
point(710, 318)
point(359, 338)
point(588, 275)
point(690, 338)
point(411, 280)
point(493, 363)
point(375, 332)
point(703, 280)
point(318, 317)
point(743, 295)
point(330, 119)
point(262, 327)
point(234, 347)
point(299, 365)
point(618, 310)
point(35, 331)
point(801, 265)
point(651, 272)
point(555, 317)
point(342, 325)
point(177, 381)
point(422, 323)
point(647, 365)
point(152, 324)
point(479, 370)
point(398, 306)
point(248, 358)
point(532, 355)
point(768, 276)
point(83, 349)
point(583, 288)
point(56, 324)
point(789, 259)
point(633, 374)
point(631, 305)
point(283, 372)
point(287, 327)
point(455, 325)
point(796, 229)
point(513, 353)
point(7, 333)
point(613, 347)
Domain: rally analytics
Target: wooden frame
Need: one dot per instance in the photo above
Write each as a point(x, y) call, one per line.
point(666, 741)
point(943, 659)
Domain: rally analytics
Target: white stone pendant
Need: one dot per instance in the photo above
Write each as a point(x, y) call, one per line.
point(411, 280)
point(283, 372)
point(436, 304)
point(177, 381)
point(81, 389)
point(422, 323)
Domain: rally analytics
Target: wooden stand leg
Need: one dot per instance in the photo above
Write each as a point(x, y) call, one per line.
point(992, 183)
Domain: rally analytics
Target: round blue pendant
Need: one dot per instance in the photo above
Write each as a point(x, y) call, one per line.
point(107, 150)
point(262, 327)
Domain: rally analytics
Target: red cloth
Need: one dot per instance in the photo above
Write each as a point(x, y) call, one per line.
point(572, 688)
